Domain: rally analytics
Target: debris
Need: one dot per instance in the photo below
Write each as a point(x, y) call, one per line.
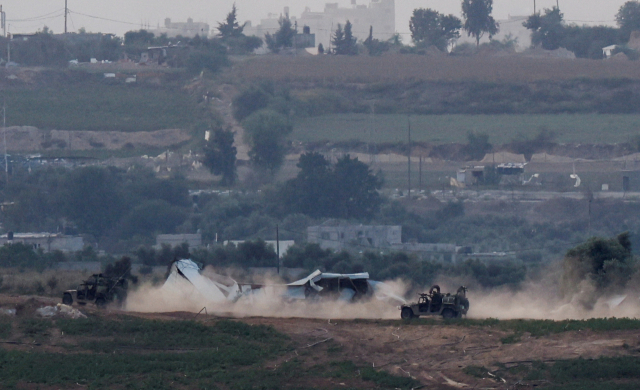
point(8, 312)
point(319, 342)
point(47, 311)
point(453, 383)
point(211, 290)
point(70, 312)
point(62, 309)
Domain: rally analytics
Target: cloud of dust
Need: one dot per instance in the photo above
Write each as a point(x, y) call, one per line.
point(541, 299)
point(267, 302)
point(535, 299)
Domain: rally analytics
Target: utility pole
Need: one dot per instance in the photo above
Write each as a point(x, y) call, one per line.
point(66, 12)
point(409, 156)
point(3, 22)
point(4, 133)
point(278, 248)
point(534, 7)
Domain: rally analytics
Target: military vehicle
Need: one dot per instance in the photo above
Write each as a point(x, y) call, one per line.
point(98, 289)
point(435, 303)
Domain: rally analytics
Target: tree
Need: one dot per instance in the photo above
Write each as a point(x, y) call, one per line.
point(320, 48)
point(346, 190)
point(344, 43)
point(478, 19)
point(249, 101)
point(356, 189)
point(140, 37)
point(266, 130)
point(282, 38)
point(232, 34)
point(220, 156)
point(607, 263)
point(628, 18)
point(211, 60)
point(375, 46)
point(230, 28)
point(546, 30)
point(429, 27)
point(477, 146)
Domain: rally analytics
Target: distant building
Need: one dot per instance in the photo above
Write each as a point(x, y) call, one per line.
point(47, 242)
point(188, 30)
point(194, 240)
point(363, 236)
point(380, 237)
point(379, 14)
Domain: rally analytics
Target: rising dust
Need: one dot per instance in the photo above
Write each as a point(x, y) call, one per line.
point(538, 299)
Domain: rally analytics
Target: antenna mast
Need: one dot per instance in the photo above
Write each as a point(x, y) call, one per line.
point(4, 134)
point(66, 12)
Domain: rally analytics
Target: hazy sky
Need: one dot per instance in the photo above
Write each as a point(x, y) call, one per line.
point(31, 15)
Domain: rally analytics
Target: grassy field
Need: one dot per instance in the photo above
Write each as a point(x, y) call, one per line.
point(134, 353)
point(395, 68)
point(569, 128)
point(98, 106)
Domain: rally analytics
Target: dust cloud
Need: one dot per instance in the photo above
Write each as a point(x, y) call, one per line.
point(265, 303)
point(538, 299)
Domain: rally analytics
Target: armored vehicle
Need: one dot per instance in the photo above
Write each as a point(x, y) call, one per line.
point(98, 289)
point(435, 303)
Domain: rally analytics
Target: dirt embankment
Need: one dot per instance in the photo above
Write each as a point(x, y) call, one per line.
point(31, 139)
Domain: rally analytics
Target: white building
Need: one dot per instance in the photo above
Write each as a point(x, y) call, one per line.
point(379, 14)
point(188, 30)
point(47, 242)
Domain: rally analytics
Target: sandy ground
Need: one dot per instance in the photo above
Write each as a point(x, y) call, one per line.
point(433, 354)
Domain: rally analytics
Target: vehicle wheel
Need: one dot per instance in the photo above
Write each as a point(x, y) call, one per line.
point(406, 313)
point(67, 299)
point(448, 314)
point(101, 302)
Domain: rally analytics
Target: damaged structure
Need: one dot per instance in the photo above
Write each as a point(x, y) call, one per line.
point(317, 286)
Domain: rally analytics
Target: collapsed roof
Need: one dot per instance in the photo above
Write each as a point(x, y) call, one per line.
point(316, 286)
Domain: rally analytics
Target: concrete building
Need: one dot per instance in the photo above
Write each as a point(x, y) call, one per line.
point(380, 14)
point(358, 236)
point(189, 29)
point(194, 240)
point(47, 242)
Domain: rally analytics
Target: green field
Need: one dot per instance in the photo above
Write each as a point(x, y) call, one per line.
point(97, 106)
point(569, 128)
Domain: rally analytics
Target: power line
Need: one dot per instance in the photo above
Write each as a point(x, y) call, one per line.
point(41, 17)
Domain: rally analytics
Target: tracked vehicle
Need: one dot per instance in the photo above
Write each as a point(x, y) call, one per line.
point(435, 303)
point(98, 289)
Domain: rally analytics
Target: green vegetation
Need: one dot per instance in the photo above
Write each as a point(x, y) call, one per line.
point(129, 352)
point(5, 327)
point(441, 129)
point(602, 373)
point(347, 190)
point(93, 105)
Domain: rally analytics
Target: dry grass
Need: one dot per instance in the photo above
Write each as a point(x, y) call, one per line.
point(396, 68)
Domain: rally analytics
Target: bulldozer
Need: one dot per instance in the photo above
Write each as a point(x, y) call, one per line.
point(435, 303)
point(98, 289)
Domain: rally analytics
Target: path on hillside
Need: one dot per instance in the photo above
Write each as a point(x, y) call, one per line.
point(224, 106)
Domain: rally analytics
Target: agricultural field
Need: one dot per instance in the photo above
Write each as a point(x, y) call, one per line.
point(442, 129)
point(405, 68)
point(112, 349)
point(99, 107)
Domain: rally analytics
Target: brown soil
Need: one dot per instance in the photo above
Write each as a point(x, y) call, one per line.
point(436, 355)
